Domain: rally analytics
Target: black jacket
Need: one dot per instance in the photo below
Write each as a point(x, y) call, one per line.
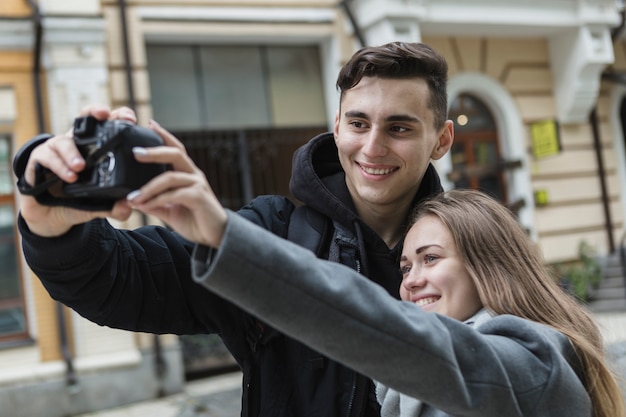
point(141, 281)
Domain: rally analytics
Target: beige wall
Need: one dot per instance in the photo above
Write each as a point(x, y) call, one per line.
point(69, 7)
point(575, 209)
point(14, 8)
point(16, 74)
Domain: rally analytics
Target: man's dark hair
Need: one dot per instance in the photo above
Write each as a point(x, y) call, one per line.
point(401, 60)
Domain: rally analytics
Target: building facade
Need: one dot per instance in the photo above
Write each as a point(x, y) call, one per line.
point(536, 91)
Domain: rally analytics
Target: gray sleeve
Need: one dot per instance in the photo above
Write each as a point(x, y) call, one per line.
point(510, 367)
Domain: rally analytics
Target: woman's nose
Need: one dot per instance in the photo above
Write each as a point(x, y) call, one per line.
point(414, 279)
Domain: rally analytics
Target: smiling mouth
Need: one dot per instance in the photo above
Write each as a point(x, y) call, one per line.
point(377, 171)
point(426, 301)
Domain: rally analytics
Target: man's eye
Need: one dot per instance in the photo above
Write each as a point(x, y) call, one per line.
point(357, 124)
point(399, 129)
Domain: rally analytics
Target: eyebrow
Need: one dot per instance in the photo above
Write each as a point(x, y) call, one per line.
point(422, 249)
point(393, 118)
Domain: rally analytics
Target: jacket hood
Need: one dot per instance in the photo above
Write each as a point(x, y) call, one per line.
point(318, 180)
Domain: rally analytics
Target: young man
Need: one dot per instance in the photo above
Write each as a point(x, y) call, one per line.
point(363, 178)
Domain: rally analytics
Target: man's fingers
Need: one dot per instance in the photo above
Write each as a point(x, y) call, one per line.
point(124, 113)
point(65, 147)
point(62, 148)
point(59, 155)
point(104, 112)
point(99, 111)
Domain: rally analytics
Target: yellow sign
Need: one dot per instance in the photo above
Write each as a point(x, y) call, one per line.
point(541, 197)
point(545, 138)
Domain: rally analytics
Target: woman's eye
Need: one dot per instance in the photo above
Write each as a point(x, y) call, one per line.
point(405, 269)
point(430, 258)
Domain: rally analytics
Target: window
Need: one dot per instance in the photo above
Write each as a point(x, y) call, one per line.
point(197, 87)
point(12, 312)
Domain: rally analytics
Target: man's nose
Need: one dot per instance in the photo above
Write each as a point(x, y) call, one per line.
point(375, 144)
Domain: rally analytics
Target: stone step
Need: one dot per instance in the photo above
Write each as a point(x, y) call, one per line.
point(611, 259)
point(612, 282)
point(607, 305)
point(609, 293)
point(613, 271)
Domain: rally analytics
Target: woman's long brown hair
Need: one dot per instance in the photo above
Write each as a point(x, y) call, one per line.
point(512, 278)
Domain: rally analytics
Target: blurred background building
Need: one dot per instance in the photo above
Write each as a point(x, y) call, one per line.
point(536, 91)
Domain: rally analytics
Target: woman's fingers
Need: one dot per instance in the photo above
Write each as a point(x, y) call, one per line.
point(181, 197)
point(168, 138)
point(173, 153)
point(161, 189)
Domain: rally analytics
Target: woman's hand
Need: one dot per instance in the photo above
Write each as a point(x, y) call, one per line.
point(181, 197)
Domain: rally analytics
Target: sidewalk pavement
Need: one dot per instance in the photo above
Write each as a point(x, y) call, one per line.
point(220, 396)
point(216, 396)
point(613, 328)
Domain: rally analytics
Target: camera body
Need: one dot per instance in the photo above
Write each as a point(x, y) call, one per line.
point(111, 171)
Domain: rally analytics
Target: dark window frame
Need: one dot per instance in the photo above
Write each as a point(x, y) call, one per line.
point(22, 336)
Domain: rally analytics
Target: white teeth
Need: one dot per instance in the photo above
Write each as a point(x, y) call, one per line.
point(374, 171)
point(424, 301)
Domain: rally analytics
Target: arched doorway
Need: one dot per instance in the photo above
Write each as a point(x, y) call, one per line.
point(511, 161)
point(477, 160)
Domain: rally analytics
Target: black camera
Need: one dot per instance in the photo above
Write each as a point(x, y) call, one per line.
point(111, 171)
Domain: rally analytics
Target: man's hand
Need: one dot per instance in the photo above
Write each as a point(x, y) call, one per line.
point(60, 155)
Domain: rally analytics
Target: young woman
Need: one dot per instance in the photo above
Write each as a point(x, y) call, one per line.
point(482, 328)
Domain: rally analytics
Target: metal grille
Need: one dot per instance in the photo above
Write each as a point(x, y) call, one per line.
point(241, 164)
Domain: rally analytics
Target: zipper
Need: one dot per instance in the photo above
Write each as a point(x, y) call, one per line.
point(357, 404)
point(358, 397)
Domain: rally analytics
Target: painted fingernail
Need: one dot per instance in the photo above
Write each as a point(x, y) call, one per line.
point(133, 195)
point(139, 151)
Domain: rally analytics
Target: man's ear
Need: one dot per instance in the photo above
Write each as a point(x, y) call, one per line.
point(444, 143)
point(336, 127)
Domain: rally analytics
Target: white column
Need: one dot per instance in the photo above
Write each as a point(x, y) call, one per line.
point(74, 58)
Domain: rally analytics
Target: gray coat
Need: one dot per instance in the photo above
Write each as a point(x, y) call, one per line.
point(505, 367)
